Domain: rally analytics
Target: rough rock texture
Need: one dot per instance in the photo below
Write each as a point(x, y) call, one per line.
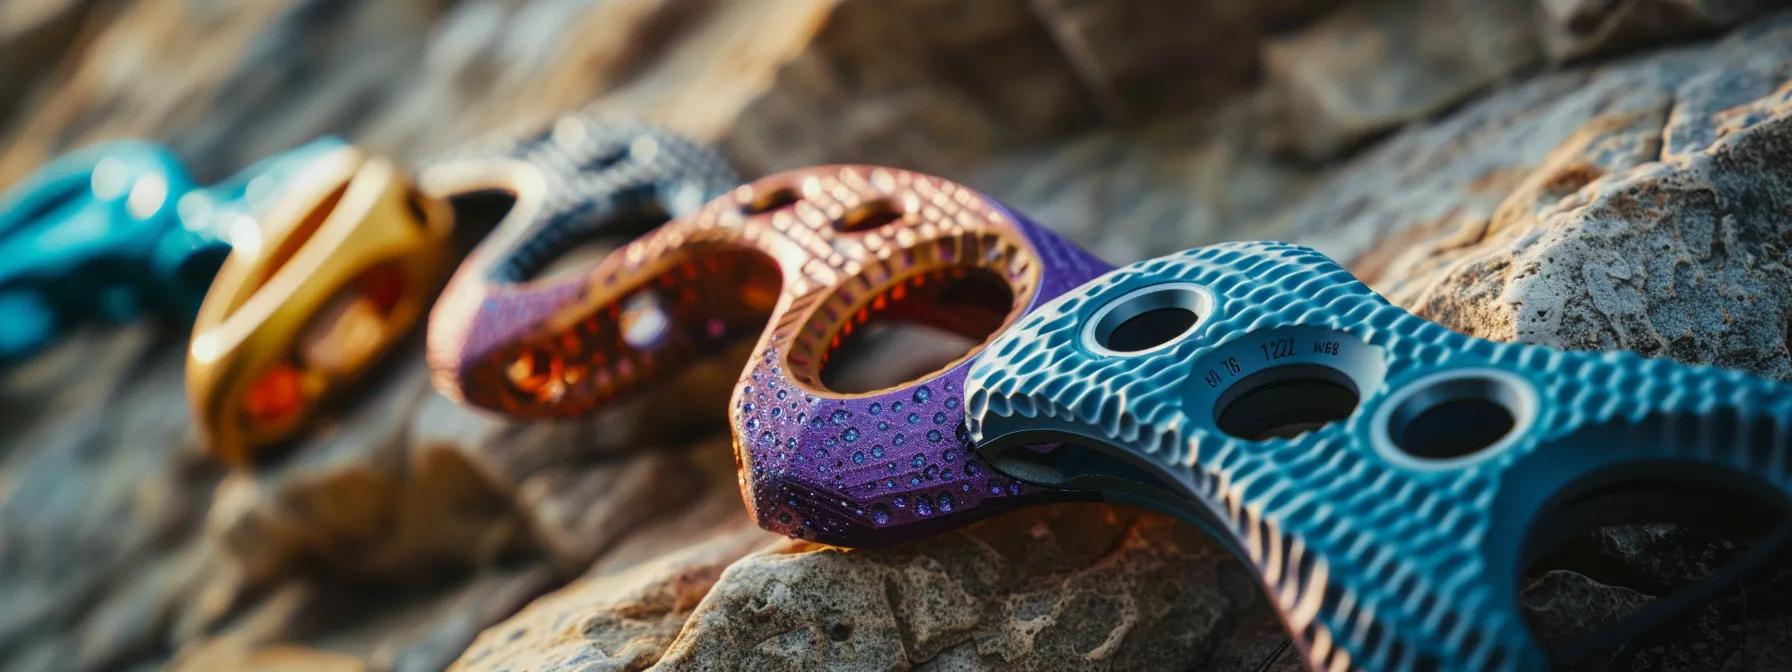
point(624, 618)
point(1381, 64)
point(920, 83)
point(1066, 585)
point(1142, 192)
point(1632, 206)
point(101, 488)
point(408, 479)
point(260, 76)
point(1378, 65)
point(1563, 604)
point(407, 529)
point(365, 627)
point(935, 85)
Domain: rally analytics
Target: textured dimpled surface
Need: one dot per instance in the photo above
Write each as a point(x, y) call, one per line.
point(576, 178)
point(894, 464)
point(1379, 559)
point(591, 172)
point(795, 262)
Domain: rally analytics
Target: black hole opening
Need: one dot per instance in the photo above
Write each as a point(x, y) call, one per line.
point(1148, 319)
point(1647, 555)
point(839, 632)
point(771, 200)
point(1456, 428)
point(413, 203)
point(1453, 418)
point(607, 159)
point(476, 213)
point(1285, 402)
point(1150, 329)
point(933, 321)
point(867, 216)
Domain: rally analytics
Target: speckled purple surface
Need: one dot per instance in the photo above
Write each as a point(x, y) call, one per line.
point(887, 467)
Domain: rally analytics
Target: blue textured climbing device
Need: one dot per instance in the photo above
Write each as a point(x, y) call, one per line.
point(1388, 479)
point(107, 231)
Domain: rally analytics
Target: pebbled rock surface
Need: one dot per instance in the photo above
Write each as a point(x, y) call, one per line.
point(411, 534)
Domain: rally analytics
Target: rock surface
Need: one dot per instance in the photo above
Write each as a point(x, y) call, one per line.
point(408, 532)
point(1063, 586)
point(935, 85)
point(1136, 193)
point(1377, 65)
point(1579, 28)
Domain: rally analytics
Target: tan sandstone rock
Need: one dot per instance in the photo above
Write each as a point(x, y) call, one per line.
point(1378, 65)
point(1069, 586)
point(394, 535)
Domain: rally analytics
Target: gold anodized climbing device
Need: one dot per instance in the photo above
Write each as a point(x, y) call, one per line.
point(348, 258)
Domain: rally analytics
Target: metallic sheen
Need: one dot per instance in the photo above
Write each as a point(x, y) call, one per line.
point(115, 229)
point(796, 261)
point(348, 257)
point(577, 181)
point(76, 240)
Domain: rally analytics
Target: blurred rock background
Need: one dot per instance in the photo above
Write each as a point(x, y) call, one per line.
point(1589, 174)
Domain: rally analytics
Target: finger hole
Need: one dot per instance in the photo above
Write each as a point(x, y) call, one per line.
point(477, 212)
point(1148, 319)
point(867, 216)
point(1455, 417)
point(350, 330)
point(301, 233)
point(915, 327)
point(1634, 556)
point(770, 200)
point(701, 303)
